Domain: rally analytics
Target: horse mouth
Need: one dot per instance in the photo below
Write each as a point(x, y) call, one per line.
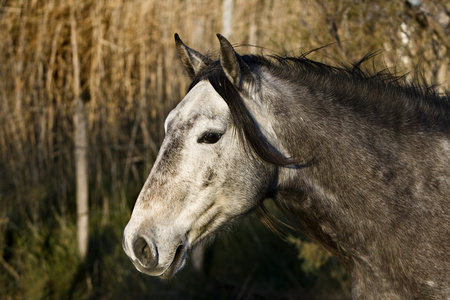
point(177, 264)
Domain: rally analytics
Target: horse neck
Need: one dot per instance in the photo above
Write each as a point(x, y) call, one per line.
point(336, 182)
point(375, 178)
point(361, 165)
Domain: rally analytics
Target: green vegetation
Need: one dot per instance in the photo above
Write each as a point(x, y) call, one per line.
point(251, 263)
point(129, 79)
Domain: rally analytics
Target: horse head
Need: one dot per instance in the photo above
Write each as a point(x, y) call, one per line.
point(203, 177)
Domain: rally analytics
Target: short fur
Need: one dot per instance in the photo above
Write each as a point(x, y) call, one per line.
point(395, 125)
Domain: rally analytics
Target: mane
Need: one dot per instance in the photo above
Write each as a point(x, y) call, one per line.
point(358, 73)
point(387, 97)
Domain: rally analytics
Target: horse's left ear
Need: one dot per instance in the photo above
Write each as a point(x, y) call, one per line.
point(192, 60)
point(232, 64)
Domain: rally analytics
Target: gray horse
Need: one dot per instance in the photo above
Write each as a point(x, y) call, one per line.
point(361, 161)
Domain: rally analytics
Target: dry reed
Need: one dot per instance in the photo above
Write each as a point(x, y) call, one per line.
point(128, 77)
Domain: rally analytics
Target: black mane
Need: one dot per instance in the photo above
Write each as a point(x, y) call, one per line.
point(379, 95)
point(384, 93)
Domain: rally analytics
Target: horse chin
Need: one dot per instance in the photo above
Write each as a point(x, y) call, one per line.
point(178, 262)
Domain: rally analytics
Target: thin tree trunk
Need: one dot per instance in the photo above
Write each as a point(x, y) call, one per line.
point(80, 128)
point(227, 18)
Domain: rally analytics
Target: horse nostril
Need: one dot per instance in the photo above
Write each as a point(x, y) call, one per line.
point(146, 253)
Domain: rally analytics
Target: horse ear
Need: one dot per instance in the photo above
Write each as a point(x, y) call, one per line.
point(192, 60)
point(231, 62)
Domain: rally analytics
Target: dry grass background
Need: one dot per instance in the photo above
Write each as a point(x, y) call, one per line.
point(130, 78)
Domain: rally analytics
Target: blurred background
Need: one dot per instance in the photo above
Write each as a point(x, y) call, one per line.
point(85, 86)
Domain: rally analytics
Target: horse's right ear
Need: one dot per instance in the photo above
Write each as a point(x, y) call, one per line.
point(192, 60)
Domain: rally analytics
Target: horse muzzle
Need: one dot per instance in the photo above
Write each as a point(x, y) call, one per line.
point(163, 261)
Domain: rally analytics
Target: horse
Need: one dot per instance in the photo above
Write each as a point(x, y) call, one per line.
point(359, 159)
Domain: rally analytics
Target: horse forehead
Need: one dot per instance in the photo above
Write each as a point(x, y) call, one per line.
point(202, 100)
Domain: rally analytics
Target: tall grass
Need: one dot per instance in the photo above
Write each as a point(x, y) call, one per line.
point(130, 78)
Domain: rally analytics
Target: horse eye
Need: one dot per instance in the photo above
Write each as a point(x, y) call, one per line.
point(210, 138)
